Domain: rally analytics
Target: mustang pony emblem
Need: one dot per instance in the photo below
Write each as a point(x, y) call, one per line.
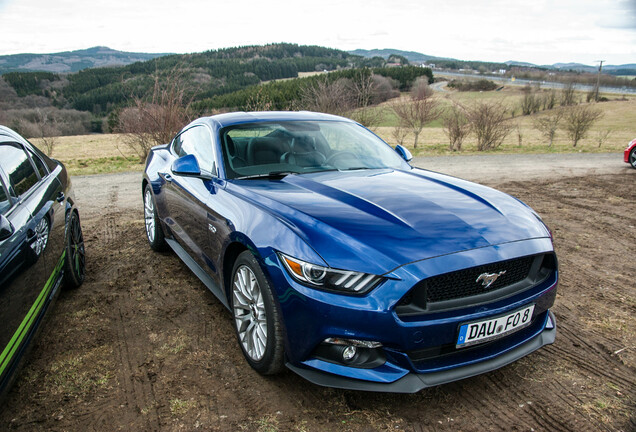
point(488, 279)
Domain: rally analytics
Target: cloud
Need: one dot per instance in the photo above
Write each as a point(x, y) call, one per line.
point(622, 16)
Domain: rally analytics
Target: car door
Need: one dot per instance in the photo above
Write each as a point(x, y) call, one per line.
point(24, 270)
point(47, 202)
point(187, 198)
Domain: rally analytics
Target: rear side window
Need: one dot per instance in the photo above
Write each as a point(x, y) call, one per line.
point(18, 167)
point(4, 199)
point(39, 165)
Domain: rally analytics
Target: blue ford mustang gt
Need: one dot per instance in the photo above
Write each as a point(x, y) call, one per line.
point(340, 261)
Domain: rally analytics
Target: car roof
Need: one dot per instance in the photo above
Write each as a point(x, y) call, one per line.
point(5, 131)
point(233, 118)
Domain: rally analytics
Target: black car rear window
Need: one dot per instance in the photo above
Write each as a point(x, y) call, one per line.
point(4, 199)
point(18, 167)
point(39, 164)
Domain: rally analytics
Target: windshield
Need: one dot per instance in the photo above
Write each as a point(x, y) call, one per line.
point(275, 148)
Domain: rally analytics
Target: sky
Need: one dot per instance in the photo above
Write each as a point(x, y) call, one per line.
point(537, 31)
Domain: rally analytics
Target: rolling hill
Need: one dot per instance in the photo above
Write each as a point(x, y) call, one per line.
point(71, 61)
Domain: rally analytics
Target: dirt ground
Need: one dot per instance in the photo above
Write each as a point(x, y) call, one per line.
point(143, 345)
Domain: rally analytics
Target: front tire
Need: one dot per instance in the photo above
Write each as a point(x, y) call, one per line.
point(632, 158)
point(256, 317)
point(75, 258)
point(154, 232)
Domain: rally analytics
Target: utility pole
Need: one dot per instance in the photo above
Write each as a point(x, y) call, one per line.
point(598, 78)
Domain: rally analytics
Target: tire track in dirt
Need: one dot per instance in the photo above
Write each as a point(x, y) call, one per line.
point(137, 389)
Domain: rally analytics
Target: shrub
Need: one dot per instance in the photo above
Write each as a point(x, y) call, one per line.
point(489, 123)
point(478, 85)
point(456, 127)
point(579, 120)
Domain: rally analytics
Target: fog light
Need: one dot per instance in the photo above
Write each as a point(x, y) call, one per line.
point(349, 352)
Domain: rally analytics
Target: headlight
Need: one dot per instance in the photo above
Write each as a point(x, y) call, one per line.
point(328, 278)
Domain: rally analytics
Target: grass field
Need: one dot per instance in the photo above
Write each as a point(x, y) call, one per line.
point(107, 153)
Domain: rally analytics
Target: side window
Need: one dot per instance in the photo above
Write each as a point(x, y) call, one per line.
point(176, 145)
point(198, 141)
point(4, 199)
point(39, 165)
point(17, 166)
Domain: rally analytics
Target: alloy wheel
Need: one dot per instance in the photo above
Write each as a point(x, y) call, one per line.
point(77, 251)
point(149, 216)
point(249, 313)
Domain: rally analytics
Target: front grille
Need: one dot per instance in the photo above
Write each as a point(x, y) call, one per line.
point(463, 283)
point(463, 288)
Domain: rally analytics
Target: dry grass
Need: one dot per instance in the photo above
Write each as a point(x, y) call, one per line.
point(94, 154)
point(619, 118)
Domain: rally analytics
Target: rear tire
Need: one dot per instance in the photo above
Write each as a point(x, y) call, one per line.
point(75, 257)
point(632, 158)
point(154, 232)
point(256, 317)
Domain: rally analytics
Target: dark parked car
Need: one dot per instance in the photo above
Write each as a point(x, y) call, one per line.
point(41, 244)
point(630, 153)
point(340, 261)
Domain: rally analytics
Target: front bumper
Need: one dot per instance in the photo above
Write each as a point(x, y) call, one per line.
point(414, 382)
point(419, 351)
point(626, 153)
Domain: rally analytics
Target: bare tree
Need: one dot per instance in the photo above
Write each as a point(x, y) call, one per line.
point(578, 121)
point(399, 134)
point(363, 88)
point(519, 134)
point(489, 123)
point(413, 114)
point(568, 94)
point(155, 120)
point(549, 99)
point(549, 124)
point(530, 103)
point(47, 130)
point(602, 136)
point(328, 97)
point(421, 89)
point(456, 127)
point(384, 89)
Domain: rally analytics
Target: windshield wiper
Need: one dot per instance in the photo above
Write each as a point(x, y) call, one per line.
point(269, 175)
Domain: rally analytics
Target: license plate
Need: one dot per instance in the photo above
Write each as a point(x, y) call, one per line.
point(493, 328)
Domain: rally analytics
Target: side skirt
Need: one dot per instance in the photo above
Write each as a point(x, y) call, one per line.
point(199, 272)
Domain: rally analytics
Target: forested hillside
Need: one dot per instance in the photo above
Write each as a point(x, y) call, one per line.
point(208, 74)
point(229, 78)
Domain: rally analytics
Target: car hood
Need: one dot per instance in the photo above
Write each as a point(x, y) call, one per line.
point(377, 220)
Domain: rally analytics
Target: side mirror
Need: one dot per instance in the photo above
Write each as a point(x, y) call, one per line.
point(6, 229)
point(403, 152)
point(188, 166)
